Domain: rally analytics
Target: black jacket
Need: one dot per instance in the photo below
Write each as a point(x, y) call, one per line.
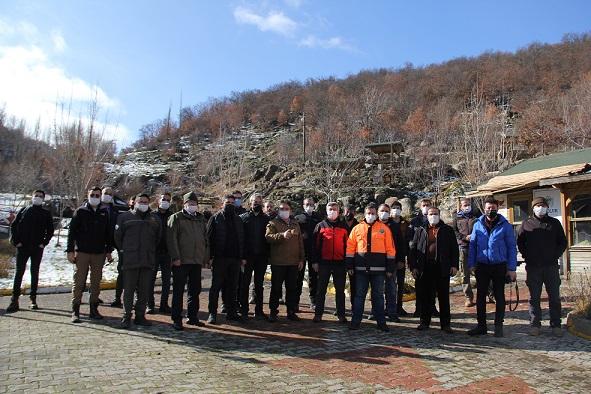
point(162, 247)
point(90, 231)
point(308, 224)
point(462, 226)
point(447, 252)
point(113, 216)
point(226, 236)
point(399, 231)
point(541, 241)
point(254, 233)
point(32, 227)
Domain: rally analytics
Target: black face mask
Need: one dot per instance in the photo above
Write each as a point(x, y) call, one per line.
point(492, 214)
point(349, 216)
point(257, 209)
point(228, 208)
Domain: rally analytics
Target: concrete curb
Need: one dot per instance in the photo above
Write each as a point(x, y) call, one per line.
point(108, 285)
point(578, 326)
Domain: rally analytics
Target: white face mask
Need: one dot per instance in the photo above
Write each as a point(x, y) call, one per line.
point(370, 218)
point(142, 207)
point(94, 201)
point(164, 205)
point(107, 199)
point(467, 209)
point(332, 215)
point(433, 219)
point(309, 210)
point(384, 215)
point(284, 215)
point(37, 200)
point(540, 211)
point(396, 213)
point(191, 209)
point(424, 210)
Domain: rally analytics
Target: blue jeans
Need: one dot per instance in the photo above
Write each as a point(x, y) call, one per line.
point(391, 293)
point(363, 279)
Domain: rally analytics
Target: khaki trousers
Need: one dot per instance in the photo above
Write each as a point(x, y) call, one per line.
point(84, 263)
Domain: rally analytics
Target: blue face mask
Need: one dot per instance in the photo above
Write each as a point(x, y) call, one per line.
point(238, 202)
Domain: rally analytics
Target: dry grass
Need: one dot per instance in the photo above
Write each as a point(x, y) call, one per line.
point(579, 290)
point(7, 252)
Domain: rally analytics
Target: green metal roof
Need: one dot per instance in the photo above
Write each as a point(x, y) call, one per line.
point(550, 161)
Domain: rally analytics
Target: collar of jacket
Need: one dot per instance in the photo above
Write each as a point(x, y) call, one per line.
point(189, 216)
point(501, 220)
point(462, 214)
point(87, 207)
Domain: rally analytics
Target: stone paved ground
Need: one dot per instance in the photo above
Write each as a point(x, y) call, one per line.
point(42, 352)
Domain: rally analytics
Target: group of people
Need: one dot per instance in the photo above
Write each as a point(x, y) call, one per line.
point(239, 244)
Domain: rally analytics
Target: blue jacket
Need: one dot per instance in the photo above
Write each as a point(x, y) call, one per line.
point(497, 247)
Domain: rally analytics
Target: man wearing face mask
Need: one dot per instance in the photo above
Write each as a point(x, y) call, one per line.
point(350, 222)
point(286, 256)
point(462, 224)
point(330, 247)
point(137, 235)
point(371, 256)
point(120, 274)
point(257, 256)
point(239, 209)
point(308, 221)
point(30, 233)
point(188, 247)
point(89, 242)
point(225, 232)
point(493, 257)
point(163, 212)
point(541, 242)
point(420, 220)
point(401, 243)
point(434, 257)
point(390, 286)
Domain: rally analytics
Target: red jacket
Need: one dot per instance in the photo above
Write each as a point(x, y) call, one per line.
point(330, 241)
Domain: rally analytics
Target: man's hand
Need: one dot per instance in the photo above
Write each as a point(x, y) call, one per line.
point(351, 272)
point(287, 234)
point(19, 245)
point(473, 270)
point(453, 271)
point(389, 274)
point(468, 237)
point(300, 265)
point(109, 257)
point(243, 262)
point(42, 246)
point(176, 263)
point(415, 273)
point(512, 275)
point(315, 267)
point(72, 257)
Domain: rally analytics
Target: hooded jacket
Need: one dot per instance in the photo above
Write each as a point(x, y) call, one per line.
point(136, 236)
point(493, 246)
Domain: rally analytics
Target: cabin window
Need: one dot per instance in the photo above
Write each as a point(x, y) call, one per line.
point(580, 220)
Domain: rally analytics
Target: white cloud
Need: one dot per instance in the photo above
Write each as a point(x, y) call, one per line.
point(330, 43)
point(59, 42)
point(33, 87)
point(274, 21)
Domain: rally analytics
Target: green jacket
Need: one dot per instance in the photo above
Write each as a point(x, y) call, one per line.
point(136, 236)
point(285, 251)
point(187, 238)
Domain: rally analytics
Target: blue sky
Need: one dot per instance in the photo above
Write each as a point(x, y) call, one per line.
point(137, 56)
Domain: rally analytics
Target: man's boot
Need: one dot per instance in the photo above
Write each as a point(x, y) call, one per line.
point(33, 305)
point(125, 323)
point(13, 307)
point(94, 313)
point(76, 313)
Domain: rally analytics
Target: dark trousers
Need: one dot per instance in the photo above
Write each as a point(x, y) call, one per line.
point(351, 290)
point(190, 275)
point(419, 300)
point(23, 254)
point(224, 275)
point(162, 264)
point(279, 275)
point(400, 277)
point(433, 283)
point(485, 273)
point(363, 280)
point(137, 280)
point(256, 265)
point(312, 283)
point(120, 275)
point(549, 276)
point(338, 272)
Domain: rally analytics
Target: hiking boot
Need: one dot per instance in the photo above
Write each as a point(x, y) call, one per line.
point(557, 332)
point(317, 319)
point(142, 321)
point(423, 327)
point(13, 307)
point(116, 303)
point(195, 322)
point(499, 331)
point(33, 305)
point(212, 319)
point(342, 319)
point(94, 313)
point(534, 331)
point(125, 323)
point(178, 325)
point(478, 330)
point(76, 314)
point(293, 317)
